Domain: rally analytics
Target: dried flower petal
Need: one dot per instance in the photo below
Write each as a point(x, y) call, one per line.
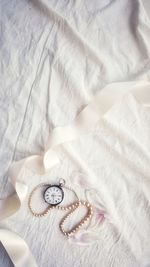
point(80, 179)
point(83, 238)
point(99, 215)
point(93, 196)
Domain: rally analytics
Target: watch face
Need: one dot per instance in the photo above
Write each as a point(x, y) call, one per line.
point(54, 195)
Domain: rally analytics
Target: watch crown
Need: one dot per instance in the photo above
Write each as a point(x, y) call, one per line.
point(62, 182)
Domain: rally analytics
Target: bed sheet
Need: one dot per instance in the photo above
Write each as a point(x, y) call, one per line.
point(55, 55)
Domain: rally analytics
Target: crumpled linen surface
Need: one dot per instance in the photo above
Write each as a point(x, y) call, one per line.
point(55, 56)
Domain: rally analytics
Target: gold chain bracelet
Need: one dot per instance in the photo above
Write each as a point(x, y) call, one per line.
point(53, 196)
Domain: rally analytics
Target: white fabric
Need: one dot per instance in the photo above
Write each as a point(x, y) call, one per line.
point(55, 67)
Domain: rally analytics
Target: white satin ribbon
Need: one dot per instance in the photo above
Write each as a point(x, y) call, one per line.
point(83, 124)
point(17, 249)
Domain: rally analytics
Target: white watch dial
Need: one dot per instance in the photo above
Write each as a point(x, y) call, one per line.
point(53, 195)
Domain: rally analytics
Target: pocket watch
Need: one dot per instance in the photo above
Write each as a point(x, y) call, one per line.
point(53, 194)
